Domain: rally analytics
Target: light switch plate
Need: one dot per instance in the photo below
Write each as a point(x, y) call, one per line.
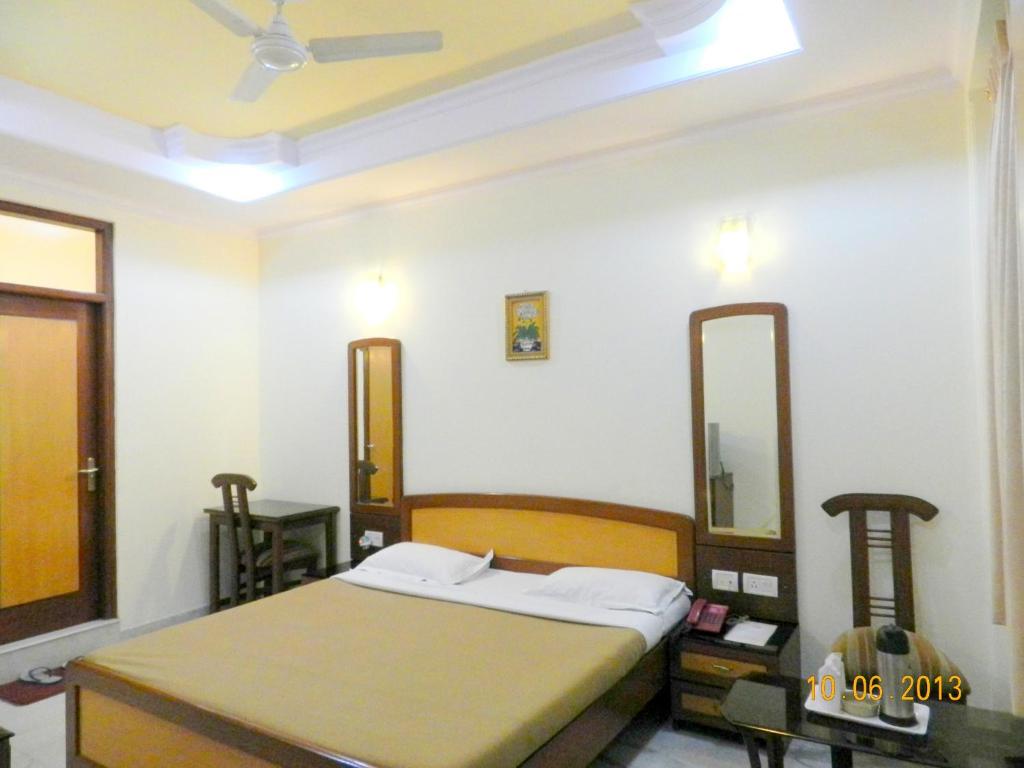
point(759, 584)
point(376, 538)
point(725, 581)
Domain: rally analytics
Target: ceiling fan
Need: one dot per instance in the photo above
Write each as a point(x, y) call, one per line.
point(276, 50)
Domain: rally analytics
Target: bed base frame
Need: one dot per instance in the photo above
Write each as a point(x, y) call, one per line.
point(578, 744)
point(170, 726)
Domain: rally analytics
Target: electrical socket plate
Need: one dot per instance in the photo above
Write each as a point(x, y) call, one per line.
point(725, 581)
point(376, 538)
point(759, 584)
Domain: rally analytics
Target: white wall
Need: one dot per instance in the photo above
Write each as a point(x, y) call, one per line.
point(861, 224)
point(186, 378)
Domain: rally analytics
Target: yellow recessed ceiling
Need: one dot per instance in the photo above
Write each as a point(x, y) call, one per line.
point(162, 62)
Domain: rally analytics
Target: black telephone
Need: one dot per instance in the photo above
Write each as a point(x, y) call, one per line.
point(707, 617)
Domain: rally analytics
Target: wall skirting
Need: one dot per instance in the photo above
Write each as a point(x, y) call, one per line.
point(56, 648)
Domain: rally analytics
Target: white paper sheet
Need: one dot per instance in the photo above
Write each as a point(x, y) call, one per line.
point(751, 633)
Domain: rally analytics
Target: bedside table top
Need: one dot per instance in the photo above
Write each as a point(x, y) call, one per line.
point(777, 641)
point(272, 510)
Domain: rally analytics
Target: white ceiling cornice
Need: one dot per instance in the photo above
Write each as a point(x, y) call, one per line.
point(566, 82)
point(180, 142)
point(97, 204)
point(751, 122)
point(668, 19)
point(964, 39)
point(41, 117)
point(617, 67)
point(747, 122)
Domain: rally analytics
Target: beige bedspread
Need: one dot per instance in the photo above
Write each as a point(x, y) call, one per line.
point(392, 680)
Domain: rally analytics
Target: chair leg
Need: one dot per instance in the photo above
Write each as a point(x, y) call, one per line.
point(842, 757)
point(752, 751)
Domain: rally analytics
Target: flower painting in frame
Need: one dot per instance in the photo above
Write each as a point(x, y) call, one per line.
point(526, 326)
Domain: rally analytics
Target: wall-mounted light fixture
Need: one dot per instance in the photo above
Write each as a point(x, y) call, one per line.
point(377, 300)
point(734, 245)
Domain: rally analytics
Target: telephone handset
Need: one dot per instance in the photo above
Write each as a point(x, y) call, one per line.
point(707, 617)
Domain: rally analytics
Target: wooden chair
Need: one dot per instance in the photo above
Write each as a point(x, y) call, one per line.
point(857, 645)
point(248, 561)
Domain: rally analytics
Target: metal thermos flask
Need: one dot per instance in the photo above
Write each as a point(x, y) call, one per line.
point(893, 666)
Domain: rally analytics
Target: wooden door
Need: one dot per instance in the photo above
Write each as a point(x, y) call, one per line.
point(48, 433)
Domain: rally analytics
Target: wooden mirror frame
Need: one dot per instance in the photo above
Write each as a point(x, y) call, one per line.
point(353, 431)
point(786, 540)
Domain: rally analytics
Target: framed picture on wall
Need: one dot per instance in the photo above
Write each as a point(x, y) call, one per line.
point(526, 326)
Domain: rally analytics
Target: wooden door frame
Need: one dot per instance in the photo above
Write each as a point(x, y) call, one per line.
point(102, 302)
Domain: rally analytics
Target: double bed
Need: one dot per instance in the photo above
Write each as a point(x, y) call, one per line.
point(358, 672)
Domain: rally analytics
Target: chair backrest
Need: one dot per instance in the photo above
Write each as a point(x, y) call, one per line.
point(235, 493)
point(896, 538)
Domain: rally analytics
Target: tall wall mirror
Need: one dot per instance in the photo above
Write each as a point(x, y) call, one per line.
point(742, 449)
point(375, 425)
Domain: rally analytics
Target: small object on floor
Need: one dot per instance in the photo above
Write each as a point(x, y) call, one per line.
point(21, 693)
point(43, 676)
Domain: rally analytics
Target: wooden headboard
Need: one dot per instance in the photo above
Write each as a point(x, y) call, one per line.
point(539, 534)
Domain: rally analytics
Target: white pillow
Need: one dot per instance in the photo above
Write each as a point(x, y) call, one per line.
point(426, 562)
point(610, 588)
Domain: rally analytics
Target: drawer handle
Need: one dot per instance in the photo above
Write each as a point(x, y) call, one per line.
point(721, 668)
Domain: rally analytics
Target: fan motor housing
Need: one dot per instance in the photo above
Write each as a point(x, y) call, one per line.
point(279, 52)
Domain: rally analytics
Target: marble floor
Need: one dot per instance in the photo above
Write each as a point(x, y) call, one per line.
point(649, 742)
point(38, 733)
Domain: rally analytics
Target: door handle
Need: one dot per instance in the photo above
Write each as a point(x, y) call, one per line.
point(90, 472)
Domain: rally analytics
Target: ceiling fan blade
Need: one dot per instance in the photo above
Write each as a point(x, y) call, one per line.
point(327, 49)
point(227, 15)
point(255, 81)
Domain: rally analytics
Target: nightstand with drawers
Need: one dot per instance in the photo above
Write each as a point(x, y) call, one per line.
point(703, 667)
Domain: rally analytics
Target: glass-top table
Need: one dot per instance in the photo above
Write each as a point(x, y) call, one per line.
point(772, 708)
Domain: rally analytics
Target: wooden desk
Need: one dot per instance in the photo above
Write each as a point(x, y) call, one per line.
point(273, 517)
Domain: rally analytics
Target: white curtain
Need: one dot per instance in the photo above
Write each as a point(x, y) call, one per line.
point(1006, 347)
